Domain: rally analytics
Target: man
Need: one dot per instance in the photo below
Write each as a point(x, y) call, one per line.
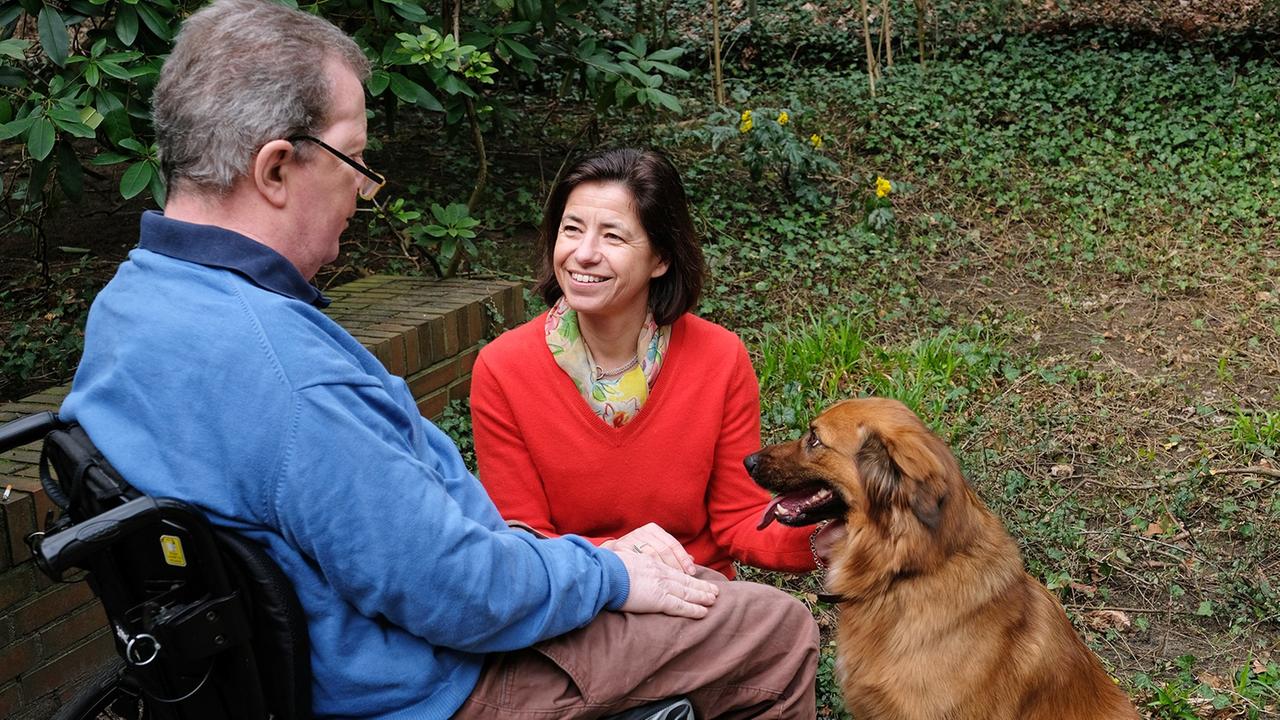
point(210, 374)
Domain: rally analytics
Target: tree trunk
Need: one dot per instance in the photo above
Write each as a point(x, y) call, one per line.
point(871, 54)
point(715, 52)
point(886, 33)
point(922, 9)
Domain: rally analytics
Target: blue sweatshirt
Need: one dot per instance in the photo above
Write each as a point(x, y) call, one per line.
point(210, 375)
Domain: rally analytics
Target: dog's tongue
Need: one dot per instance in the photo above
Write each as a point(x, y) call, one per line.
point(791, 506)
point(768, 515)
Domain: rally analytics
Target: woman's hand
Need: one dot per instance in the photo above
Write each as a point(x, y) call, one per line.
point(650, 539)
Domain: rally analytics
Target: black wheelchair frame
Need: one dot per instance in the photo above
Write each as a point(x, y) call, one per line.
point(206, 625)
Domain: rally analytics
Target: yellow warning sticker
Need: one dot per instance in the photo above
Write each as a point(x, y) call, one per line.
point(172, 547)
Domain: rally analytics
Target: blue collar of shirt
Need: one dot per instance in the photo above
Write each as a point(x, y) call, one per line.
point(218, 247)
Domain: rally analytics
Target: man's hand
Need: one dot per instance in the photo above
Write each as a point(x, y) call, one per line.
point(657, 588)
point(651, 539)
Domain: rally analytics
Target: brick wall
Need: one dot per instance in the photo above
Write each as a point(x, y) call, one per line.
point(52, 634)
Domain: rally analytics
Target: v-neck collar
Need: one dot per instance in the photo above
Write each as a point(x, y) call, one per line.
point(616, 436)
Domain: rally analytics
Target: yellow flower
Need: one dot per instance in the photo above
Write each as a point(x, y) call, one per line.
point(745, 124)
point(783, 118)
point(883, 187)
point(815, 140)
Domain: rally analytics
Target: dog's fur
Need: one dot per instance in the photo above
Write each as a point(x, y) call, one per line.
point(938, 619)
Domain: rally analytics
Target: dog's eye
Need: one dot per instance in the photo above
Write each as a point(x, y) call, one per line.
point(813, 441)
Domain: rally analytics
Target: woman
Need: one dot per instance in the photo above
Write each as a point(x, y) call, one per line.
point(617, 415)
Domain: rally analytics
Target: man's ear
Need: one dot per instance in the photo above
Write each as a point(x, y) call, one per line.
point(270, 167)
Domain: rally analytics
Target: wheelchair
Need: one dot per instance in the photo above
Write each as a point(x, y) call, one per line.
point(206, 625)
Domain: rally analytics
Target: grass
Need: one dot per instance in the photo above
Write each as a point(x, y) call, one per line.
point(810, 364)
point(1256, 433)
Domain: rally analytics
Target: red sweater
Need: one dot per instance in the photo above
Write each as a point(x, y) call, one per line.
point(549, 461)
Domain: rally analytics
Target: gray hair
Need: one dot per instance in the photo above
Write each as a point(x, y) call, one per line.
point(243, 73)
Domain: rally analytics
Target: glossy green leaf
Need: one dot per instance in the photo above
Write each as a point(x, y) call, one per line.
point(666, 55)
point(40, 138)
point(38, 178)
point(519, 49)
point(68, 120)
point(519, 27)
point(158, 189)
point(154, 22)
point(106, 101)
point(410, 11)
point(12, 77)
point(108, 158)
point(135, 179)
point(9, 14)
point(70, 174)
point(53, 35)
point(15, 128)
point(118, 128)
point(411, 92)
point(453, 85)
point(115, 70)
point(528, 9)
point(666, 100)
point(127, 24)
point(378, 82)
point(672, 70)
point(14, 48)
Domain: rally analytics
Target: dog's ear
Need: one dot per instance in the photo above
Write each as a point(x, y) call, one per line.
point(885, 474)
point(927, 502)
point(881, 476)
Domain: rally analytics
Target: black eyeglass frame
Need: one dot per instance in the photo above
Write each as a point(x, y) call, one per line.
point(374, 176)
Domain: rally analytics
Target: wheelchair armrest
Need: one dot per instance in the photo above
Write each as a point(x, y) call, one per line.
point(27, 429)
point(72, 547)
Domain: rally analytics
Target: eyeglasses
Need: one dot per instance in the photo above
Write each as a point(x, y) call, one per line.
point(373, 182)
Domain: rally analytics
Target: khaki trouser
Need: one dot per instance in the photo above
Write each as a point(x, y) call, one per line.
point(755, 655)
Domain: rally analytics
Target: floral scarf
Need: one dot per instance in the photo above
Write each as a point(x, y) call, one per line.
point(615, 399)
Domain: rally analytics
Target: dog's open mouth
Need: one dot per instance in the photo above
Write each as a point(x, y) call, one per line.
point(803, 507)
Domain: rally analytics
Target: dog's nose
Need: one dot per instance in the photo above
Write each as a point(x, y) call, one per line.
point(751, 461)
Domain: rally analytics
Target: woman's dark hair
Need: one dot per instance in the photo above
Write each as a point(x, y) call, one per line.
point(664, 212)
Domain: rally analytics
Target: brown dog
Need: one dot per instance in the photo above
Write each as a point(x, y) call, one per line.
point(938, 619)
